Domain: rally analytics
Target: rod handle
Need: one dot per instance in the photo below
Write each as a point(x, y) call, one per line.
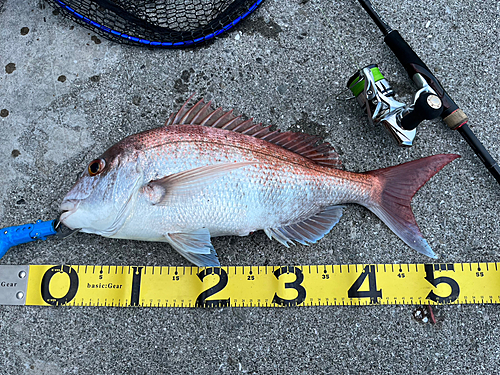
point(413, 65)
point(422, 110)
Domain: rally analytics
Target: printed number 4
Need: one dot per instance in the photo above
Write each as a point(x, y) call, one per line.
point(372, 292)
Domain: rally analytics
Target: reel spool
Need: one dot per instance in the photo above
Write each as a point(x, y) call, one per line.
point(376, 97)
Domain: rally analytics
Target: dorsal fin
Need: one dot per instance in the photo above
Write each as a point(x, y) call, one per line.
point(303, 144)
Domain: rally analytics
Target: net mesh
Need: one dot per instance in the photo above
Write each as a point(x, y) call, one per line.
point(158, 23)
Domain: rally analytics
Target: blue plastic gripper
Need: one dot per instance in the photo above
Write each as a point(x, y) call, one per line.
point(12, 236)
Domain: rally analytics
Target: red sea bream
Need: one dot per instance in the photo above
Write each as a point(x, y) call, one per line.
point(208, 173)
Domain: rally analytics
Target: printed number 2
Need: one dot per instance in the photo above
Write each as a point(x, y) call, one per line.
point(455, 289)
point(372, 291)
point(301, 292)
point(201, 301)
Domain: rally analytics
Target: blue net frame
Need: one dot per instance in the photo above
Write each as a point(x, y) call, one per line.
point(158, 23)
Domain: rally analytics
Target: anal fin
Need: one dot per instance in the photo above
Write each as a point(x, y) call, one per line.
point(309, 230)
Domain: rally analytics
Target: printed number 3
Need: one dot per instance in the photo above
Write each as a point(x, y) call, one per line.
point(301, 292)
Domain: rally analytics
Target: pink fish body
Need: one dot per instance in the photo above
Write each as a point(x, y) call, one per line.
point(207, 173)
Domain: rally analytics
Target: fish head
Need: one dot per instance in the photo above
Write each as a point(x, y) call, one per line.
point(103, 197)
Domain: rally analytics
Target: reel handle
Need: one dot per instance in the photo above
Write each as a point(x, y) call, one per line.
point(17, 235)
point(427, 107)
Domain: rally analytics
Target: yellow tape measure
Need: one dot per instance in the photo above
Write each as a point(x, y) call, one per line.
point(244, 286)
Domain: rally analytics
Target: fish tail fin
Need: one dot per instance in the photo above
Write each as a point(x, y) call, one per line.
point(397, 186)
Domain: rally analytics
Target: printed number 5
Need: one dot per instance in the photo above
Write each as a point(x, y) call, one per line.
point(455, 289)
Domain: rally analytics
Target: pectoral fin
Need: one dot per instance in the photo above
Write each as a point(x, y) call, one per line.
point(188, 183)
point(195, 246)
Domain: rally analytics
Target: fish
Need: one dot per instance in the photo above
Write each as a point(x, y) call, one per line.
point(207, 172)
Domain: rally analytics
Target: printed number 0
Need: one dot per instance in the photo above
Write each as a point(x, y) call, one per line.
point(73, 285)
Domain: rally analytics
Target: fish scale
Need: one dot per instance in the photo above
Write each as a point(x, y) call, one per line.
point(273, 190)
point(209, 173)
point(275, 193)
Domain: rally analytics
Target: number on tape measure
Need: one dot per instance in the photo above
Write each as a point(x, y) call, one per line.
point(136, 286)
point(301, 292)
point(73, 285)
point(201, 301)
point(429, 276)
point(372, 292)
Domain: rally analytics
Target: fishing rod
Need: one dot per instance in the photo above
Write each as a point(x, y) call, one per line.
point(375, 96)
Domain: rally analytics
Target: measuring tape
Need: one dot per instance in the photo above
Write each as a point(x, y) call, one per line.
point(250, 286)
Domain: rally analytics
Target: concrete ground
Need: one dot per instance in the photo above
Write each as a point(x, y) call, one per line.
point(67, 95)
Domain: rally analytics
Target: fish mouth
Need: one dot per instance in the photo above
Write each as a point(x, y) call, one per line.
point(68, 207)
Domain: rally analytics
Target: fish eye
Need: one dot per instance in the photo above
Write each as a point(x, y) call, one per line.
point(96, 166)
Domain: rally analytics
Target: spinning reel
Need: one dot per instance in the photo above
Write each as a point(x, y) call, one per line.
point(376, 97)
